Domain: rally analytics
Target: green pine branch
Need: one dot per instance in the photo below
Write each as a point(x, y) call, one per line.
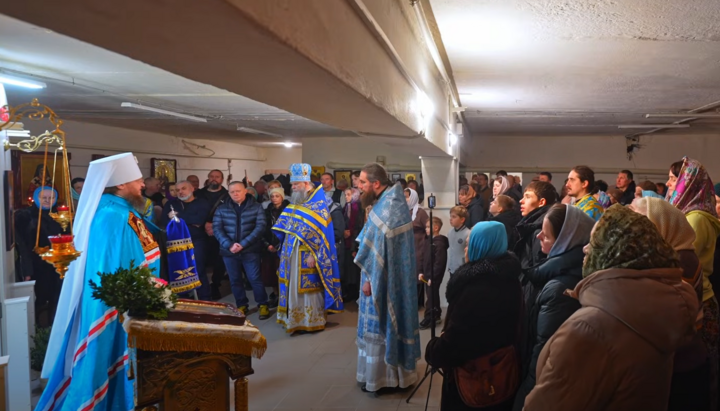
point(132, 290)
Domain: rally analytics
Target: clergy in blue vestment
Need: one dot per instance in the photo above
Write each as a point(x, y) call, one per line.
point(87, 355)
point(388, 339)
point(309, 276)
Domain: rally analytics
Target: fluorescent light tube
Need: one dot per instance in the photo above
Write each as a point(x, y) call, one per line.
point(684, 115)
point(167, 112)
point(22, 82)
point(288, 144)
point(256, 131)
point(655, 126)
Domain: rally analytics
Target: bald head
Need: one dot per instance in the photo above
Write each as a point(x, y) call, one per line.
point(194, 180)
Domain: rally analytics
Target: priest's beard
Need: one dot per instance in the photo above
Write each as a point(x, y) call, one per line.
point(299, 197)
point(368, 198)
point(137, 202)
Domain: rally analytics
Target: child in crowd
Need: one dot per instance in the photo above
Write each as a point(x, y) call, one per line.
point(457, 238)
point(438, 246)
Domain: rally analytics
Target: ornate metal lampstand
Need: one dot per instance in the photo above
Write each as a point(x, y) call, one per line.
point(62, 249)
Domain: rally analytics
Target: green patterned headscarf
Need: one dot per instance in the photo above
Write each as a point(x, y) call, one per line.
point(626, 239)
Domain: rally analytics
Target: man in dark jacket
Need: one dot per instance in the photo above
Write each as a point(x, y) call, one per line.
point(504, 210)
point(625, 183)
point(215, 194)
point(338, 220)
point(536, 202)
point(239, 226)
point(434, 272)
point(194, 212)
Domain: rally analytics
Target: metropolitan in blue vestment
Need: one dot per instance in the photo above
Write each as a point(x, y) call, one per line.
point(388, 339)
point(309, 276)
point(87, 356)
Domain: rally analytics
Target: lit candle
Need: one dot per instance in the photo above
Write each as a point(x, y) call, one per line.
point(63, 208)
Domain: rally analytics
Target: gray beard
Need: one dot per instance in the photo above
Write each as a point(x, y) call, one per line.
point(185, 198)
point(298, 197)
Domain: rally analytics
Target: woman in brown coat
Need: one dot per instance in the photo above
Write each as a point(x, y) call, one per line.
point(616, 352)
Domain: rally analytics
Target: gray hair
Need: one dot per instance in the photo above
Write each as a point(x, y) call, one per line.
point(376, 172)
point(237, 182)
point(181, 182)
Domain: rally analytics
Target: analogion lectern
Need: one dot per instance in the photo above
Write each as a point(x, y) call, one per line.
point(186, 361)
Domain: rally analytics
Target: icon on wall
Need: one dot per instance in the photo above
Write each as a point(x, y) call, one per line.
point(409, 177)
point(343, 175)
point(396, 177)
point(316, 172)
point(164, 169)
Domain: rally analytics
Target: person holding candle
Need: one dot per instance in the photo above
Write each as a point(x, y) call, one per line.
point(32, 267)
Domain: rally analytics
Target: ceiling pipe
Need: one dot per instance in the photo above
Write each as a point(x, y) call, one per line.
point(698, 110)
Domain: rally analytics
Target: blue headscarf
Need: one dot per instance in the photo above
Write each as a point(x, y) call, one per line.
point(36, 197)
point(652, 194)
point(488, 239)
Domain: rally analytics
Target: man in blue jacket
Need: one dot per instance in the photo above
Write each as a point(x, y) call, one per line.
point(239, 225)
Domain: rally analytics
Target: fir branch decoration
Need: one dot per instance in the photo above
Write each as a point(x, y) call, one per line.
point(135, 290)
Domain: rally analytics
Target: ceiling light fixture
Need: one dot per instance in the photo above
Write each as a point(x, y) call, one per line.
point(256, 131)
point(21, 82)
point(288, 144)
point(683, 115)
point(452, 139)
point(161, 111)
point(655, 126)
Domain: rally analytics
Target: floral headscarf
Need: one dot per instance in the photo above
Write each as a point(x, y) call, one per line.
point(604, 199)
point(626, 239)
point(355, 195)
point(694, 189)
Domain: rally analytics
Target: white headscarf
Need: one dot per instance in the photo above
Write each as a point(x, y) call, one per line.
point(106, 172)
point(413, 202)
point(574, 232)
point(504, 186)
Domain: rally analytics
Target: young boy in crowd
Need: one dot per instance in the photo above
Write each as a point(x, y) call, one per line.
point(458, 238)
point(438, 246)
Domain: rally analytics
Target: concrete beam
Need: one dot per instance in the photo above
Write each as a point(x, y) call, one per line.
point(314, 58)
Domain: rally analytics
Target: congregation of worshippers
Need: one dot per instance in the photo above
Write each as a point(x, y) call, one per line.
point(601, 293)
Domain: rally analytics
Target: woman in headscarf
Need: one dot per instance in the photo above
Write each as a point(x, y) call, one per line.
point(565, 231)
point(691, 373)
point(616, 352)
point(419, 220)
point(47, 281)
point(270, 259)
point(501, 187)
point(353, 225)
point(691, 191)
point(76, 184)
point(484, 310)
point(474, 203)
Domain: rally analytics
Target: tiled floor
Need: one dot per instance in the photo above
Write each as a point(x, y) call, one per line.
point(317, 371)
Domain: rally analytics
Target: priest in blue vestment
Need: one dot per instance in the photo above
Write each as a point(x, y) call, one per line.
point(388, 338)
point(309, 276)
point(87, 355)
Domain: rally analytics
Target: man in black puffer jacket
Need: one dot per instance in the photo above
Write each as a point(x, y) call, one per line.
point(239, 225)
point(536, 201)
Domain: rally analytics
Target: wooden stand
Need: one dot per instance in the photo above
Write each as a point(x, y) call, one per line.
point(193, 381)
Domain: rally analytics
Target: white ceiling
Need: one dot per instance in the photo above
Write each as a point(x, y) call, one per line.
point(88, 83)
point(559, 67)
